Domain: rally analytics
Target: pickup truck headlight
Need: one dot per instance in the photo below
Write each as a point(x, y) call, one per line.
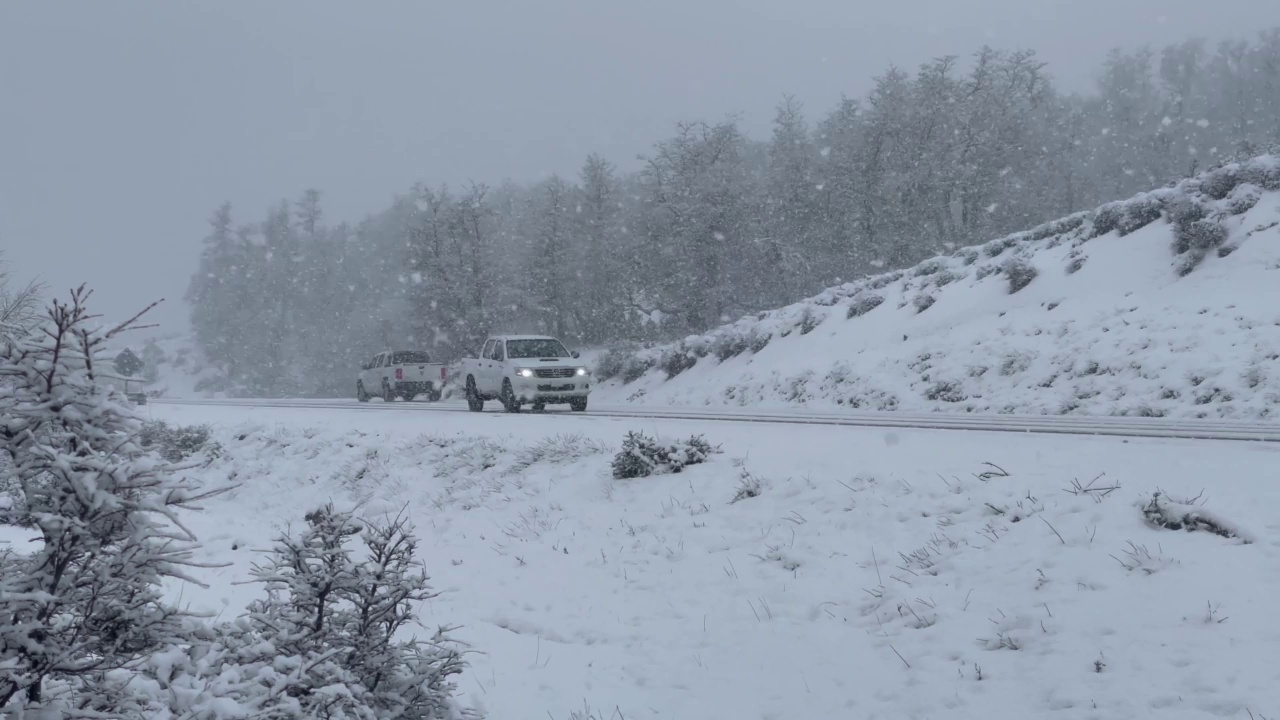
point(524, 372)
point(582, 371)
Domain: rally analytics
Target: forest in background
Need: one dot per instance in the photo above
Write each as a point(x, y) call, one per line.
point(715, 224)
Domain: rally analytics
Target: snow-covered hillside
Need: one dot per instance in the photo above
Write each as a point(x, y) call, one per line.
point(804, 572)
point(1165, 304)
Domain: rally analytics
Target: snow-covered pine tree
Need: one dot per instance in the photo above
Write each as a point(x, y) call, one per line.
point(87, 601)
point(327, 641)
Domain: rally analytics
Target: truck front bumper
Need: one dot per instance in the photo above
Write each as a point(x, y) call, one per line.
point(552, 391)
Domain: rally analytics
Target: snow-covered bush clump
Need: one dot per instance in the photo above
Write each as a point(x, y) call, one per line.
point(642, 456)
point(177, 443)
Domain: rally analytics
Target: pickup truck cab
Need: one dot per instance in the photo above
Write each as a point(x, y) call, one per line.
point(400, 373)
point(519, 369)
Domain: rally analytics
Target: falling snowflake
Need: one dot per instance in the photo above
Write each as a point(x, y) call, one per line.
point(1202, 122)
point(417, 278)
point(1167, 121)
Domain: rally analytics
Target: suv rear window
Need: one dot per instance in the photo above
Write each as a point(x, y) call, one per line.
point(410, 358)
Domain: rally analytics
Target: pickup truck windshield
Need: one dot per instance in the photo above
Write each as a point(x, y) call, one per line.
point(410, 358)
point(536, 349)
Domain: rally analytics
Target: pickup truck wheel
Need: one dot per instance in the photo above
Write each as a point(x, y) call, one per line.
point(539, 407)
point(474, 402)
point(578, 404)
point(509, 401)
point(361, 395)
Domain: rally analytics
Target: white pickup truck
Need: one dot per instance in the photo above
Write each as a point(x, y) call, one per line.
point(518, 369)
point(401, 373)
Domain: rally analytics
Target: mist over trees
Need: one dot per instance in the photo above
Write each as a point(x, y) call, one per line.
point(716, 224)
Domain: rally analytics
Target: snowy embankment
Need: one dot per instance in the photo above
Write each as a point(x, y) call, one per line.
point(804, 572)
point(1165, 304)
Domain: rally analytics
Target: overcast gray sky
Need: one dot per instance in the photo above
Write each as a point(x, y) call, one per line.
point(123, 124)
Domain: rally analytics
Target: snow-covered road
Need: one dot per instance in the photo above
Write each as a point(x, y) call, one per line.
point(1049, 424)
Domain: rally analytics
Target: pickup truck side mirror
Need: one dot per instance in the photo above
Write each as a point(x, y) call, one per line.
point(576, 354)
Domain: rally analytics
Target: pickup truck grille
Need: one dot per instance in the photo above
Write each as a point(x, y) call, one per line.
point(554, 372)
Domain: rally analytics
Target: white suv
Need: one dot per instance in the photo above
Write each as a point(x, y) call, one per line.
point(518, 369)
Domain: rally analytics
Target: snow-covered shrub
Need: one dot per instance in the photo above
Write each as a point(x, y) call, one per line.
point(1075, 262)
point(749, 486)
point(946, 391)
point(758, 341)
point(1014, 363)
point(863, 304)
point(1107, 218)
point(611, 363)
point(809, 322)
point(323, 643)
point(1219, 183)
point(923, 302)
point(995, 248)
point(1243, 198)
point(1138, 213)
point(1166, 513)
point(946, 277)
point(1184, 210)
point(177, 443)
point(642, 456)
point(88, 601)
point(677, 360)
point(930, 267)
point(730, 344)
point(1198, 235)
point(1190, 261)
point(635, 367)
point(1019, 272)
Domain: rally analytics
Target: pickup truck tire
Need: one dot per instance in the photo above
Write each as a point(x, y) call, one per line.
point(578, 404)
point(361, 395)
point(474, 402)
point(509, 401)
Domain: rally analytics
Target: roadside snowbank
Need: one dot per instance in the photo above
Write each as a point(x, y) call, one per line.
point(872, 574)
point(1165, 304)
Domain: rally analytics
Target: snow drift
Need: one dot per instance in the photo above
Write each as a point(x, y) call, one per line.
point(1166, 304)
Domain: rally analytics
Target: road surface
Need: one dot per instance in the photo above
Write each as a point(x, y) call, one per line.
point(1046, 424)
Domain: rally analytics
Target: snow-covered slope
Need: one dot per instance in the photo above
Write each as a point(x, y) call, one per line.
point(874, 574)
point(1165, 304)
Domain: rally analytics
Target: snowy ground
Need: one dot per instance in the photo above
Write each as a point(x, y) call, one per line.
point(874, 576)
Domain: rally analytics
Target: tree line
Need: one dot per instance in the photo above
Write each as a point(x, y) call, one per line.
point(716, 224)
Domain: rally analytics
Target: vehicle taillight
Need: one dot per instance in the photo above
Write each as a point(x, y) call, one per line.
point(399, 373)
point(443, 374)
